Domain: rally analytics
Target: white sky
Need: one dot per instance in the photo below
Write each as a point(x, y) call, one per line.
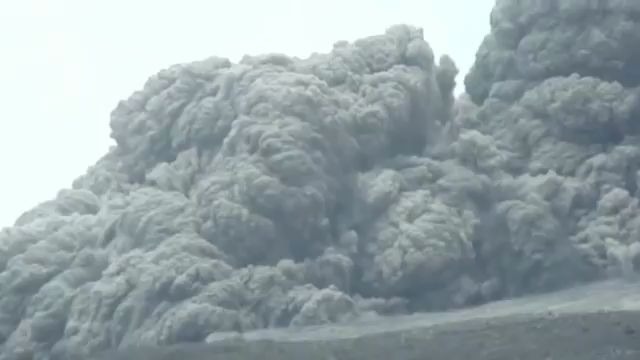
point(66, 63)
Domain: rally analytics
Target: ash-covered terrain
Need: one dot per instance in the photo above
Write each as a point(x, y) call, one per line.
point(283, 192)
point(599, 321)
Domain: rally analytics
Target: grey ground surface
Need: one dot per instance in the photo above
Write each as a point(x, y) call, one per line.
point(277, 192)
point(599, 321)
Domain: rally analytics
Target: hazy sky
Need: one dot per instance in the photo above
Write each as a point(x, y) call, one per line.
point(66, 63)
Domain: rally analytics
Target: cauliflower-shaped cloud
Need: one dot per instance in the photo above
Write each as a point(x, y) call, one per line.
point(226, 203)
point(535, 40)
point(556, 89)
point(415, 243)
point(281, 192)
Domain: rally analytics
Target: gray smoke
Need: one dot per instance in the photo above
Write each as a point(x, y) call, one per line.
point(284, 192)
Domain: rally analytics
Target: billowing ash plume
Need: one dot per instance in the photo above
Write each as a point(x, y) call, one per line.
point(291, 192)
point(531, 41)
